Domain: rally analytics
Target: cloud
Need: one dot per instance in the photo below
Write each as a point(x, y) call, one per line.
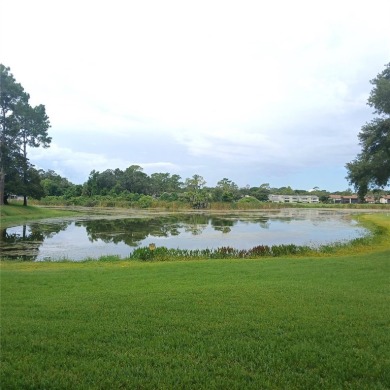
point(77, 165)
point(214, 86)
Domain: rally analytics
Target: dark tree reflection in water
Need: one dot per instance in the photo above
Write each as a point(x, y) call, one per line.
point(23, 242)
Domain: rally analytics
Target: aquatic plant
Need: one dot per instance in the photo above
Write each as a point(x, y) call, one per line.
point(162, 253)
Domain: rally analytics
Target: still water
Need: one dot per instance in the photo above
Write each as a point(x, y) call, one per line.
point(93, 237)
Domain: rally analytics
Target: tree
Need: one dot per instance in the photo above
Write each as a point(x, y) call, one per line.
point(195, 192)
point(226, 191)
point(135, 180)
point(11, 95)
point(18, 181)
point(55, 185)
point(285, 191)
point(371, 168)
point(33, 124)
point(22, 126)
point(263, 192)
point(380, 94)
point(107, 182)
point(90, 188)
point(195, 183)
point(164, 183)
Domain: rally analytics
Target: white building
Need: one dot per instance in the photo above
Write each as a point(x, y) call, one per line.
point(294, 198)
point(385, 199)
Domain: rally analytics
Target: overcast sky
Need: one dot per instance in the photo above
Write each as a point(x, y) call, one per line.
point(255, 91)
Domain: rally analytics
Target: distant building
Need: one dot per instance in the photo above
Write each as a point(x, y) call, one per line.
point(370, 199)
point(15, 197)
point(385, 199)
point(344, 198)
point(354, 199)
point(294, 198)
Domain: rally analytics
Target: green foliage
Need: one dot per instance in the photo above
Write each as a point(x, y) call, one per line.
point(169, 196)
point(164, 183)
point(130, 181)
point(249, 200)
point(109, 187)
point(371, 167)
point(286, 191)
point(225, 191)
point(55, 185)
point(165, 254)
point(261, 193)
point(22, 126)
point(145, 201)
point(380, 94)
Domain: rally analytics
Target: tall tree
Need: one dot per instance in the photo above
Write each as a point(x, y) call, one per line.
point(90, 187)
point(371, 167)
point(135, 180)
point(226, 190)
point(262, 193)
point(22, 126)
point(164, 183)
point(12, 96)
point(55, 185)
point(195, 191)
point(33, 124)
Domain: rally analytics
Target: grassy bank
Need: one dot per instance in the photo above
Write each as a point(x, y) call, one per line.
point(17, 213)
point(137, 201)
point(240, 324)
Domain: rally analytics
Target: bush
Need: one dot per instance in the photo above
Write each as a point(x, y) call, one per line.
point(169, 196)
point(248, 199)
point(145, 201)
point(248, 202)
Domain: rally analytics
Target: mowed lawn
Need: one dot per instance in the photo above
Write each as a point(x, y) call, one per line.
point(311, 323)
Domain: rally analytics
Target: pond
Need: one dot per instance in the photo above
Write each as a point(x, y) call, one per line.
point(96, 236)
point(93, 237)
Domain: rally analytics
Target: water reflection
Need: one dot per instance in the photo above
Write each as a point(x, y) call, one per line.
point(82, 238)
point(23, 242)
point(130, 231)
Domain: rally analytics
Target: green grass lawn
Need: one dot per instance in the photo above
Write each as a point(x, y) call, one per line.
point(308, 323)
point(16, 213)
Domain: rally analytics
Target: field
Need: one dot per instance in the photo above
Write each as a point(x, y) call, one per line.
point(273, 323)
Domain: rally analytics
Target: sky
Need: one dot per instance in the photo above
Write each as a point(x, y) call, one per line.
point(253, 91)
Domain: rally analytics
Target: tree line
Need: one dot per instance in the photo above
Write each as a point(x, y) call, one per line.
point(23, 126)
point(132, 183)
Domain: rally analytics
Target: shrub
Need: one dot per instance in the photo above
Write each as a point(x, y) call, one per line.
point(248, 199)
point(145, 201)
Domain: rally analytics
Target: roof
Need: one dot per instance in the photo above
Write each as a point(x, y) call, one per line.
point(343, 196)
